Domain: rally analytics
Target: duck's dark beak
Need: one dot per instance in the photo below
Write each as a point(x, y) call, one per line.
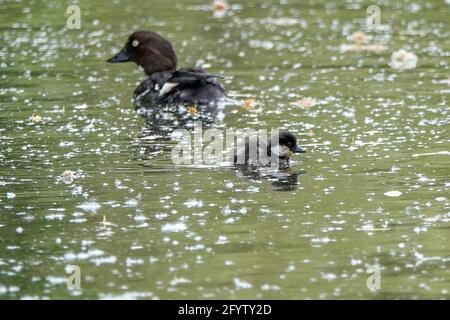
point(297, 149)
point(122, 56)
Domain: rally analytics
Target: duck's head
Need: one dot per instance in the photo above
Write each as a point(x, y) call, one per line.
point(285, 145)
point(149, 50)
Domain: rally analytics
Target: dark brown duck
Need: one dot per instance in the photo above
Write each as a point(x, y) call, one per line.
point(166, 84)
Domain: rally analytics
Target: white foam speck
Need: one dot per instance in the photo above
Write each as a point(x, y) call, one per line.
point(104, 260)
point(132, 262)
point(131, 203)
point(10, 195)
point(229, 263)
point(226, 210)
point(177, 281)
point(83, 255)
point(140, 218)
point(54, 216)
point(81, 106)
point(222, 240)
point(174, 227)
point(243, 210)
point(290, 268)
point(90, 206)
point(329, 276)
point(393, 194)
point(230, 220)
point(56, 280)
point(355, 262)
point(193, 203)
point(126, 296)
point(270, 287)
point(241, 284)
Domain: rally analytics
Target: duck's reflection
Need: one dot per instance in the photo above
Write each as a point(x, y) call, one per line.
point(168, 118)
point(155, 137)
point(284, 179)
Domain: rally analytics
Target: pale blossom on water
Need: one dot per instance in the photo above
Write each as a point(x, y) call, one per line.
point(402, 60)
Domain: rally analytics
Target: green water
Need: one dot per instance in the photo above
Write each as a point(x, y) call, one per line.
point(372, 190)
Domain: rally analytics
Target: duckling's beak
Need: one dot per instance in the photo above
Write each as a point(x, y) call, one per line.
point(297, 149)
point(122, 56)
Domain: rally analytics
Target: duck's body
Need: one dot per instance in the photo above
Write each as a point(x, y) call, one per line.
point(184, 86)
point(166, 85)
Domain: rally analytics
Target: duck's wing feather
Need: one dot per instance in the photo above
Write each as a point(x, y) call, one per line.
point(189, 75)
point(188, 78)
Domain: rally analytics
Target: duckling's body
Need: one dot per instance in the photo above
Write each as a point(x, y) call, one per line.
point(166, 85)
point(277, 151)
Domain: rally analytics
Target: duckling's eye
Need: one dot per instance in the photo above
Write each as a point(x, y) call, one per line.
point(135, 43)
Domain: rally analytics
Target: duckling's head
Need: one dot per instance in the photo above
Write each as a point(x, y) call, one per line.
point(148, 50)
point(285, 145)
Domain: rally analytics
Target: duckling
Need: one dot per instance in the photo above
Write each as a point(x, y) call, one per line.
point(166, 85)
point(279, 148)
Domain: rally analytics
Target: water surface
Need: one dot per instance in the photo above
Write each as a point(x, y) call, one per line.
point(371, 191)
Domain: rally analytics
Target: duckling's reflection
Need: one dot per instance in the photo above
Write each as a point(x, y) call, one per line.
point(282, 180)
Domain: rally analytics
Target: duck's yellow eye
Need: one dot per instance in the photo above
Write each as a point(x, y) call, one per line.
point(135, 43)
